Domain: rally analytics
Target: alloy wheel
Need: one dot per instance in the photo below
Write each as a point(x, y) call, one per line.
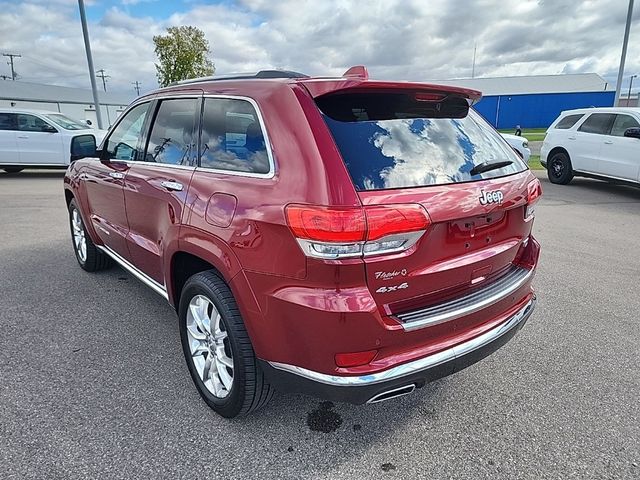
point(79, 239)
point(209, 346)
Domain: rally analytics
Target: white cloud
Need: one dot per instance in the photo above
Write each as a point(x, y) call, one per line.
point(412, 39)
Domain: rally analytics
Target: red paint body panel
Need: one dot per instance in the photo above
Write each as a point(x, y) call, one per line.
point(301, 310)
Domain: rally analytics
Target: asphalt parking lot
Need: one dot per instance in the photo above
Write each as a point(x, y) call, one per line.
point(93, 383)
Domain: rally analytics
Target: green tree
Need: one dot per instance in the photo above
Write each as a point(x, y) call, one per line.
point(182, 54)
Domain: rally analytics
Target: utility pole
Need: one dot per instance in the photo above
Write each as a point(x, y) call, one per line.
point(103, 77)
point(92, 75)
point(625, 42)
point(473, 67)
point(630, 85)
point(10, 62)
point(136, 86)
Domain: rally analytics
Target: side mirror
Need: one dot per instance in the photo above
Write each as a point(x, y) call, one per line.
point(49, 128)
point(83, 146)
point(632, 132)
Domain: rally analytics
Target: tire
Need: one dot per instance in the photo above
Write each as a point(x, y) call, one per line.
point(89, 257)
point(559, 168)
point(204, 296)
point(13, 169)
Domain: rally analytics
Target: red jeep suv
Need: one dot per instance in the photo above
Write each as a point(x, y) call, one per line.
point(343, 237)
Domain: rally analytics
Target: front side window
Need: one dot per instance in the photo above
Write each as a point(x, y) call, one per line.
point(66, 122)
point(31, 123)
point(621, 123)
point(8, 121)
point(232, 138)
point(123, 141)
point(397, 140)
point(569, 121)
point(171, 139)
point(599, 123)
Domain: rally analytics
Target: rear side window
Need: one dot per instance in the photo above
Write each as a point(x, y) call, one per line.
point(171, 139)
point(621, 123)
point(391, 140)
point(569, 121)
point(8, 121)
point(597, 123)
point(232, 137)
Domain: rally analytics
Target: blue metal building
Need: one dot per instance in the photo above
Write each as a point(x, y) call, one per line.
point(536, 101)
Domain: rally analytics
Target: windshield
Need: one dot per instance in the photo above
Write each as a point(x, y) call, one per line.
point(405, 146)
point(66, 122)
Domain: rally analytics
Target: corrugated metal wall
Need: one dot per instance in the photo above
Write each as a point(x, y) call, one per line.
point(537, 110)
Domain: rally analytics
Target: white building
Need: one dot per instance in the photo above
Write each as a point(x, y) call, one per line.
point(74, 102)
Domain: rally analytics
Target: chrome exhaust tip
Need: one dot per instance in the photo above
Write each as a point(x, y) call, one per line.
point(393, 393)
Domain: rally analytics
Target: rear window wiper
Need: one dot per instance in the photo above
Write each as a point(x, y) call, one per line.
point(487, 166)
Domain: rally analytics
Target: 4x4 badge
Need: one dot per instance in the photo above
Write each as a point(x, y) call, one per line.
point(495, 196)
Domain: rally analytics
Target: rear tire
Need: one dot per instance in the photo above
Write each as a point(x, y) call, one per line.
point(217, 348)
point(559, 168)
point(13, 169)
point(89, 257)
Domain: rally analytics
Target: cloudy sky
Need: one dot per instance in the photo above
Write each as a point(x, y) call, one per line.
point(407, 39)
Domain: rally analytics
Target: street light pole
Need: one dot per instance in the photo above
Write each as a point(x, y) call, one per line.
point(630, 84)
point(92, 75)
point(625, 42)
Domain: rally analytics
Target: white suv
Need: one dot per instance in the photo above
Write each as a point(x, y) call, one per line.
point(35, 138)
point(601, 143)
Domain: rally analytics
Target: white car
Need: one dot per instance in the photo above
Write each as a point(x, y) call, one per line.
point(35, 138)
point(602, 143)
point(519, 144)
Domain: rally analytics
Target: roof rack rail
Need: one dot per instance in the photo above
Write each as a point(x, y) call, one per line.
point(244, 76)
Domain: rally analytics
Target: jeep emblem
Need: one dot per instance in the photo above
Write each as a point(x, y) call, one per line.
point(487, 198)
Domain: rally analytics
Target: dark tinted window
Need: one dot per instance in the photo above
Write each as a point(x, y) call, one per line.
point(31, 123)
point(232, 138)
point(569, 121)
point(399, 142)
point(123, 141)
point(621, 123)
point(171, 139)
point(8, 121)
point(597, 123)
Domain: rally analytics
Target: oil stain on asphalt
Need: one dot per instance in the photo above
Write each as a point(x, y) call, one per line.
point(324, 418)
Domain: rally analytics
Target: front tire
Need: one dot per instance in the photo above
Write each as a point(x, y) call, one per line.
point(559, 168)
point(89, 257)
point(217, 348)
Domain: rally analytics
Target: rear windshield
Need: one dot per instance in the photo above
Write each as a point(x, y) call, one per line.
point(396, 141)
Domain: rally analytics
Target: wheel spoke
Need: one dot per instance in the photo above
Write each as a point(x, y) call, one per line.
point(225, 378)
point(223, 358)
point(216, 322)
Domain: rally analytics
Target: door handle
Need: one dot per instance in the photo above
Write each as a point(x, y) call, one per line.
point(23, 136)
point(608, 142)
point(169, 185)
point(571, 138)
point(116, 175)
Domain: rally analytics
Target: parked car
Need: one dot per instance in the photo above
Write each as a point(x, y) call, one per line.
point(343, 237)
point(37, 138)
point(519, 144)
point(602, 143)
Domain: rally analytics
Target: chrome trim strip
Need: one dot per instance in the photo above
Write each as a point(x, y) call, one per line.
point(143, 277)
point(466, 305)
point(272, 165)
point(416, 366)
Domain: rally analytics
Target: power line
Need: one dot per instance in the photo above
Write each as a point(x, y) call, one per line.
point(136, 86)
point(10, 62)
point(104, 77)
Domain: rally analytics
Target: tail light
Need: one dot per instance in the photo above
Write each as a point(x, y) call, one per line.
point(534, 192)
point(337, 232)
